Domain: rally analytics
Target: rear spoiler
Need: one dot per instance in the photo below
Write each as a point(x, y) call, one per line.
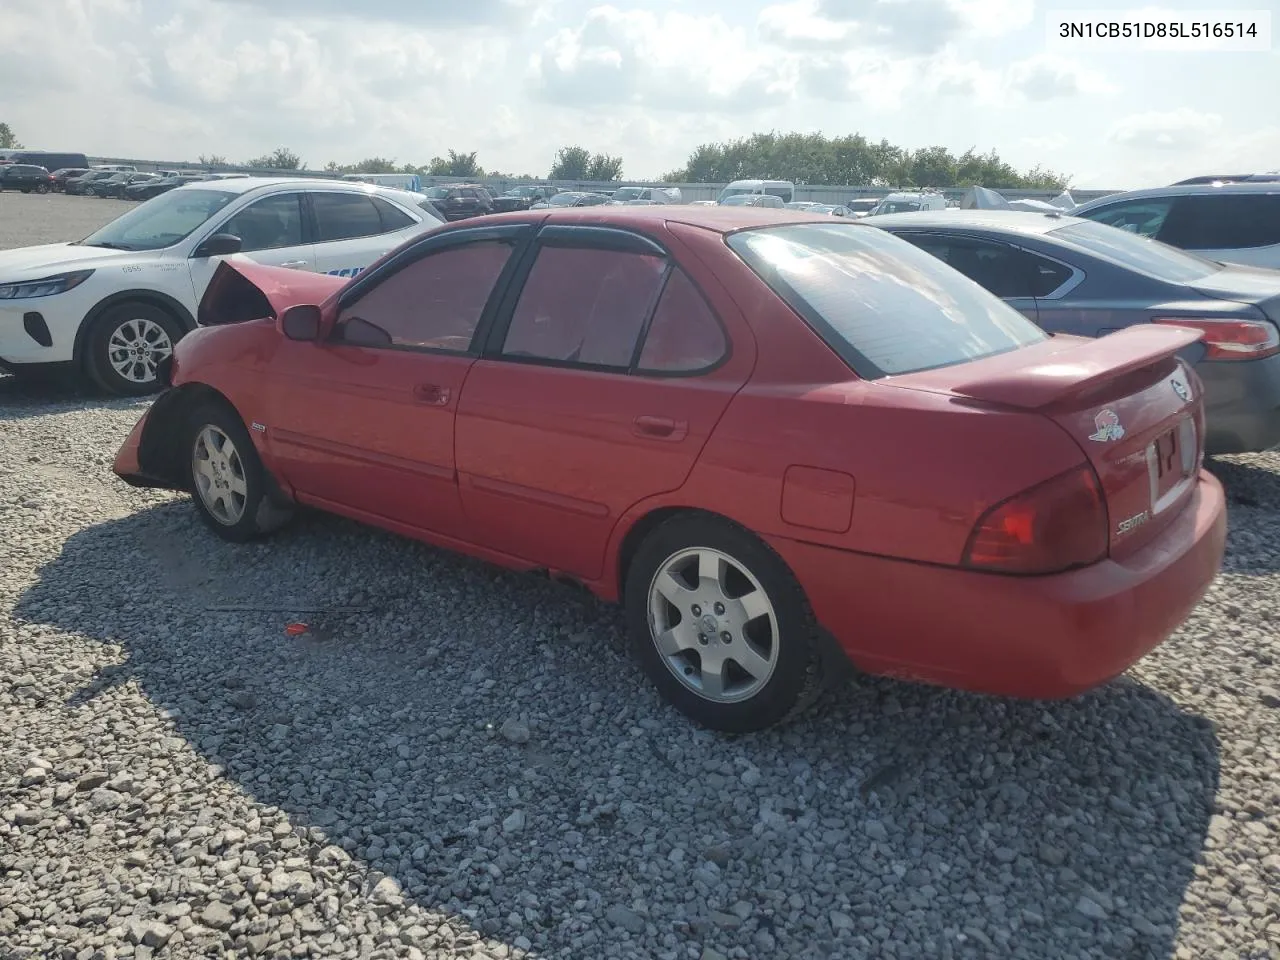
point(1079, 368)
point(242, 290)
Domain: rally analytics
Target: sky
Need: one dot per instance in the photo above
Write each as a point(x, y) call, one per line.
point(647, 80)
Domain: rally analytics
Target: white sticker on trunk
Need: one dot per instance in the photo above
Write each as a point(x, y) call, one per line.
point(1108, 425)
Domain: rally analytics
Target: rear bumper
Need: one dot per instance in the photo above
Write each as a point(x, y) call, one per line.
point(1242, 405)
point(1035, 637)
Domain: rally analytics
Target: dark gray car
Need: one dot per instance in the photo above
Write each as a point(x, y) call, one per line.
point(1078, 277)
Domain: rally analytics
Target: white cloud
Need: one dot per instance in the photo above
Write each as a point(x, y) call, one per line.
point(1046, 77)
point(671, 61)
point(1171, 130)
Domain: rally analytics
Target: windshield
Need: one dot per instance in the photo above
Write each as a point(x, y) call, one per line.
point(896, 206)
point(861, 205)
point(438, 193)
point(728, 192)
point(740, 200)
point(564, 199)
point(161, 222)
point(1155, 259)
point(627, 193)
point(883, 305)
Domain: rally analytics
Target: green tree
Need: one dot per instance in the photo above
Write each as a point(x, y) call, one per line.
point(281, 159)
point(852, 160)
point(572, 163)
point(8, 139)
point(213, 160)
point(368, 165)
point(604, 168)
point(455, 165)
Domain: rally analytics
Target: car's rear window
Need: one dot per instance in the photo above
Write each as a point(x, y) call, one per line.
point(883, 305)
point(1155, 259)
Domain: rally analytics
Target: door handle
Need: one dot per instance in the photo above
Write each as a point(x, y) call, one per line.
point(431, 393)
point(295, 263)
point(659, 428)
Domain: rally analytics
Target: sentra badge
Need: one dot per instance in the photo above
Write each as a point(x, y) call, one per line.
point(1108, 427)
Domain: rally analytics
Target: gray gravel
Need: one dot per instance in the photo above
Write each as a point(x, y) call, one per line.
point(459, 762)
point(30, 218)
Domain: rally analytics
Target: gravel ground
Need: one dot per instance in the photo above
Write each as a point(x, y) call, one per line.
point(460, 762)
point(30, 218)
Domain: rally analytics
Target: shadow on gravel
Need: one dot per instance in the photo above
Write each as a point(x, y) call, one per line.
point(896, 821)
point(39, 395)
point(1252, 483)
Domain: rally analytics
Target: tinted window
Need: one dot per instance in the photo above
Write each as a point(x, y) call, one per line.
point(161, 222)
point(1135, 216)
point(344, 216)
point(584, 306)
point(393, 218)
point(1004, 270)
point(684, 334)
point(268, 223)
point(1151, 257)
point(1223, 221)
point(882, 305)
point(435, 302)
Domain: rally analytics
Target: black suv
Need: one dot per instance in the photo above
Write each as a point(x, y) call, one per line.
point(60, 177)
point(523, 197)
point(80, 185)
point(457, 201)
point(25, 177)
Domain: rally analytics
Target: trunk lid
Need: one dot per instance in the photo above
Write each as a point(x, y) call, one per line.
point(241, 290)
point(1253, 285)
point(1135, 410)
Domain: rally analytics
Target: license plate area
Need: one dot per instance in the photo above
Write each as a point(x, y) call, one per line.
point(1171, 464)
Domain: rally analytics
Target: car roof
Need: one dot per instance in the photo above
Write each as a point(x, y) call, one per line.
point(241, 185)
point(1186, 189)
point(1015, 221)
point(718, 219)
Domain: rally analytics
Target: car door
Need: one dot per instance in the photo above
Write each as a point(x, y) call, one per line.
point(272, 230)
point(1239, 228)
point(352, 230)
point(574, 414)
point(363, 422)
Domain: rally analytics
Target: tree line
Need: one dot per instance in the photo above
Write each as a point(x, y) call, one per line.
point(850, 160)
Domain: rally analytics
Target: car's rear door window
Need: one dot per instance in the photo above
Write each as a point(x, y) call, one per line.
point(344, 216)
point(433, 303)
point(1223, 221)
point(584, 306)
point(393, 218)
point(684, 335)
point(884, 306)
point(1005, 270)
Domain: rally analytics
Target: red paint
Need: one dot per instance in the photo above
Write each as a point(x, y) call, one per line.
point(870, 490)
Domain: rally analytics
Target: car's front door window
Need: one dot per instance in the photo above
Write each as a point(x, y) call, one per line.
point(434, 303)
point(268, 224)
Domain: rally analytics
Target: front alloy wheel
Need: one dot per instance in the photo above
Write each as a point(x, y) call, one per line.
point(219, 477)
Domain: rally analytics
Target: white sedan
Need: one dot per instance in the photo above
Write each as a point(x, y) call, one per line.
point(111, 306)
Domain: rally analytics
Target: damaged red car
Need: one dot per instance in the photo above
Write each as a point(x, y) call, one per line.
point(784, 444)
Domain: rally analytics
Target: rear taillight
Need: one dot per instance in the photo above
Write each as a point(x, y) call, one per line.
point(1054, 526)
point(1232, 339)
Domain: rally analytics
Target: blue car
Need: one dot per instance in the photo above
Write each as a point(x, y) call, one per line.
point(1075, 276)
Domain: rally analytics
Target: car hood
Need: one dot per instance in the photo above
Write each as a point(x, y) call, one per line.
point(33, 263)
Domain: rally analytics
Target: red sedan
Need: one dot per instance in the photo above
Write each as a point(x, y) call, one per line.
point(773, 437)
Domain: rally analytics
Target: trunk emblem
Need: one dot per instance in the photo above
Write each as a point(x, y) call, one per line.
point(1108, 425)
point(1181, 389)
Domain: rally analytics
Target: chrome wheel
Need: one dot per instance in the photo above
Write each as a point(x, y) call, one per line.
point(219, 476)
point(136, 347)
point(713, 624)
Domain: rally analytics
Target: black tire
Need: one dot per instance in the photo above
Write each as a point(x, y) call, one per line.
point(97, 345)
point(796, 679)
point(42, 188)
point(261, 513)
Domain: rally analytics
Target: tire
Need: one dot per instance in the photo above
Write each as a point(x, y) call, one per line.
point(42, 188)
point(131, 326)
point(228, 483)
point(780, 644)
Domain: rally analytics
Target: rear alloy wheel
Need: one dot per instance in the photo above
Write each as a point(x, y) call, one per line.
point(42, 188)
point(127, 344)
point(721, 626)
point(227, 479)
